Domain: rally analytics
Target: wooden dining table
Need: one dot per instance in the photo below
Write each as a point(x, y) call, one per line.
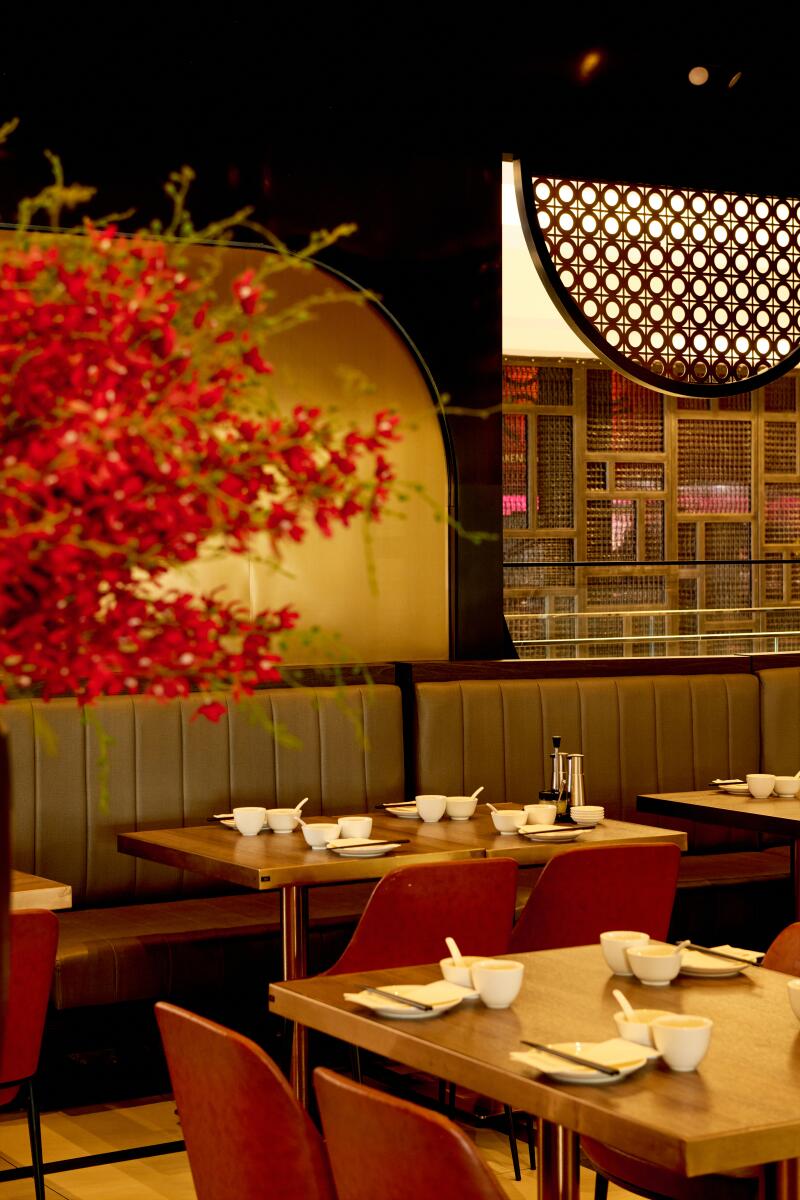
point(740, 1108)
point(775, 815)
point(284, 862)
point(34, 891)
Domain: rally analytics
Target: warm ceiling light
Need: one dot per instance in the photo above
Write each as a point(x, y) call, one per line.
point(589, 64)
point(698, 76)
point(686, 291)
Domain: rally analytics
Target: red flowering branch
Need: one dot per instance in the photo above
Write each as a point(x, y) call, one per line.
point(135, 431)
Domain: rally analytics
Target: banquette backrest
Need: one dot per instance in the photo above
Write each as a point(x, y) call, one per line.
point(167, 766)
point(780, 719)
point(638, 734)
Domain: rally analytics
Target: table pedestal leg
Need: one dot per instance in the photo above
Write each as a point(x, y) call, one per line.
point(294, 928)
point(557, 1163)
point(782, 1180)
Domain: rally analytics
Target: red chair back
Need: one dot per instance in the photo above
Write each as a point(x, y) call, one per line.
point(32, 956)
point(413, 909)
point(381, 1146)
point(585, 891)
point(246, 1135)
point(784, 953)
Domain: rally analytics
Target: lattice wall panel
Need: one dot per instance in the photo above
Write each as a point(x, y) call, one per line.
point(611, 530)
point(639, 476)
point(621, 416)
point(714, 466)
point(780, 447)
point(693, 290)
point(554, 473)
point(782, 518)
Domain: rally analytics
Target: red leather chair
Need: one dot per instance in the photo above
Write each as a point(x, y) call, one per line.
point(585, 891)
point(413, 909)
point(381, 1146)
point(32, 956)
point(246, 1135)
point(646, 1179)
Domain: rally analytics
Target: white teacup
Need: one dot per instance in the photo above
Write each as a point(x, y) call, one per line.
point(654, 964)
point(540, 814)
point(318, 836)
point(431, 808)
point(354, 827)
point(787, 785)
point(459, 972)
point(793, 988)
point(760, 786)
point(683, 1040)
point(614, 944)
point(283, 820)
point(637, 1027)
point(497, 981)
point(249, 821)
point(508, 820)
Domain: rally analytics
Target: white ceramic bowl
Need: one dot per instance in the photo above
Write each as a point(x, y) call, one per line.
point(354, 827)
point(508, 820)
point(497, 980)
point(461, 808)
point(318, 836)
point(249, 820)
point(793, 988)
point(760, 785)
point(283, 820)
point(637, 1027)
point(540, 814)
point(682, 1039)
point(459, 972)
point(654, 964)
point(614, 944)
point(431, 808)
point(787, 785)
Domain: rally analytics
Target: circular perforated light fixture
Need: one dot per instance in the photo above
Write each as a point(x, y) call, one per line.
point(690, 292)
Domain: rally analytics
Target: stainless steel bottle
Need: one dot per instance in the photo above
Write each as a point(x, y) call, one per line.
point(575, 784)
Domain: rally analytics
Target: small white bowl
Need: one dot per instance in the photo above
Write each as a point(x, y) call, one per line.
point(594, 812)
point(787, 785)
point(540, 814)
point(354, 827)
point(459, 972)
point(793, 988)
point(654, 964)
point(283, 820)
point(760, 785)
point(461, 808)
point(682, 1039)
point(318, 836)
point(615, 942)
point(431, 808)
point(507, 821)
point(637, 1028)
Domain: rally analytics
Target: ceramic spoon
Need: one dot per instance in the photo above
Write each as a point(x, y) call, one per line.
point(478, 791)
point(297, 807)
point(624, 1003)
point(491, 807)
point(455, 953)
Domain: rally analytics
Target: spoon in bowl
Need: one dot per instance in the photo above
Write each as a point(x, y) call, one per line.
point(624, 1003)
point(477, 792)
point(455, 953)
point(297, 807)
point(491, 807)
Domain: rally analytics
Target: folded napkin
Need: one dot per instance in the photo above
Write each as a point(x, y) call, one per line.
point(551, 828)
point(438, 993)
point(751, 955)
point(615, 1052)
point(696, 958)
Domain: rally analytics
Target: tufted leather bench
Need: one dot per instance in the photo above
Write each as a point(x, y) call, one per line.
point(140, 930)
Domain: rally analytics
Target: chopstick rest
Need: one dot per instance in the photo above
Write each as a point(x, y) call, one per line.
point(573, 1058)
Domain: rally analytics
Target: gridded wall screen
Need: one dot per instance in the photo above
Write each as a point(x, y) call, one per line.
point(647, 524)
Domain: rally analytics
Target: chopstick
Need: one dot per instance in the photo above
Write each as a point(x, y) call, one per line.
point(399, 804)
point(385, 842)
point(573, 1058)
point(721, 954)
point(399, 999)
point(221, 817)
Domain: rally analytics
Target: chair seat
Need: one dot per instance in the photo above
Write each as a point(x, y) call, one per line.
point(170, 948)
point(629, 1172)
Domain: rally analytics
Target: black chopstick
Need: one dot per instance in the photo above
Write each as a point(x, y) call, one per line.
point(720, 954)
point(573, 1058)
point(384, 842)
point(400, 999)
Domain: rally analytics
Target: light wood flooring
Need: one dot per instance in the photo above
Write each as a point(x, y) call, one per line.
point(111, 1127)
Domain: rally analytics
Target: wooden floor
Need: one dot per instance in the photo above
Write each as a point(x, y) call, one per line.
point(92, 1130)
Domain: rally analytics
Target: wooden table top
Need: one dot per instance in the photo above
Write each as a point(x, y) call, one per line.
point(741, 1107)
point(480, 830)
point(32, 891)
point(781, 816)
point(275, 860)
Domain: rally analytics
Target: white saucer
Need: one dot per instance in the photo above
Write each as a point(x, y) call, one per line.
point(735, 789)
point(705, 966)
point(361, 847)
point(556, 835)
point(230, 824)
point(451, 996)
point(616, 1052)
point(407, 812)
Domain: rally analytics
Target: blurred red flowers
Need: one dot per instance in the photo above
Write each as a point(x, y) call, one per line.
point(134, 430)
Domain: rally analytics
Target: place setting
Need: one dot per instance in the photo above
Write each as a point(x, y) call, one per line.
point(656, 964)
point(432, 808)
point(760, 785)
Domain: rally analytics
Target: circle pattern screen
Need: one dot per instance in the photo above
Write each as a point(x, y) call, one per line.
point(698, 288)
